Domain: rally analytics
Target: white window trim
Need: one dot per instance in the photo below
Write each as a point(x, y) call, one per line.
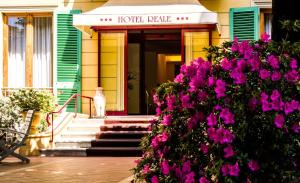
point(25, 9)
point(264, 4)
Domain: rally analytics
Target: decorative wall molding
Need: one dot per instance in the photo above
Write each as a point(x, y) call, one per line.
point(265, 4)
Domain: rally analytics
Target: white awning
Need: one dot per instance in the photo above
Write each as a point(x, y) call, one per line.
point(145, 12)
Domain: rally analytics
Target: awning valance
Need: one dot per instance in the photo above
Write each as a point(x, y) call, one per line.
point(146, 12)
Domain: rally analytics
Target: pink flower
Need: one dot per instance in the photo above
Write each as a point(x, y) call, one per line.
point(211, 133)
point(241, 65)
point(254, 63)
point(225, 136)
point(211, 120)
point(220, 88)
point(266, 106)
point(293, 64)
point(154, 179)
point(155, 142)
point(191, 70)
point(264, 74)
point(190, 178)
point(273, 61)
point(167, 120)
point(178, 172)
point(193, 121)
point(164, 136)
point(238, 76)
point(253, 165)
point(234, 170)
point(226, 64)
point(220, 135)
point(296, 127)
point(202, 96)
point(186, 167)
point(275, 95)
point(158, 111)
point(203, 180)
point(245, 49)
point(156, 100)
point(225, 169)
point(277, 105)
point(146, 169)
point(279, 120)
point(217, 107)
point(171, 99)
point(228, 151)
point(276, 75)
point(196, 82)
point(264, 96)
point(211, 81)
point(291, 106)
point(165, 168)
point(137, 161)
point(185, 100)
point(179, 78)
point(235, 45)
point(265, 37)
point(227, 116)
point(204, 148)
point(292, 76)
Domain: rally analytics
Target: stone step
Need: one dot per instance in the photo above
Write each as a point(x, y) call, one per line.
point(70, 144)
point(115, 143)
point(129, 119)
point(66, 152)
point(79, 135)
point(121, 134)
point(88, 121)
point(78, 127)
point(113, 151)
point(124, 127)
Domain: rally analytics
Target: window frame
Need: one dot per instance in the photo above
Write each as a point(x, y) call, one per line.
point(262, 19)
point(29, 45)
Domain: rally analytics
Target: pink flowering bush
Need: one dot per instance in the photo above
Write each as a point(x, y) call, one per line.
point(233, 119)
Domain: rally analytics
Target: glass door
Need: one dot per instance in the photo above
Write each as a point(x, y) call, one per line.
point(113, 70)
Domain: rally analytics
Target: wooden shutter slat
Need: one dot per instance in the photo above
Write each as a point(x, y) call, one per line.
point(68, 59)
point(244, 23)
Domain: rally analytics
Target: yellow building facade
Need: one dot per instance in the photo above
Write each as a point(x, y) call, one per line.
point(97, 55)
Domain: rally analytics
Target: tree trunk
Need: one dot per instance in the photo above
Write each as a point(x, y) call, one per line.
point(284, 10)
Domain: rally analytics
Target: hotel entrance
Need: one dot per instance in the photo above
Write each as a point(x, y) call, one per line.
point(142, 44)
point(154, 57)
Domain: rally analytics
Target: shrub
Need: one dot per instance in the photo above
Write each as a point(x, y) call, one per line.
point(29, 99)
point(235, 119)
point(9, 113)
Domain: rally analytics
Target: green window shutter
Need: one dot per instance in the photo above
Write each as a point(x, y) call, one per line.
point(244, 23)
point(68, 59)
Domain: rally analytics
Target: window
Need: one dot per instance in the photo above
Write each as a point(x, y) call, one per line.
point(16, 52)
point(28, 59)
point(268, 23)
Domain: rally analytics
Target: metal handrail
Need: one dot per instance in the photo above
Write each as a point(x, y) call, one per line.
point(74, 96)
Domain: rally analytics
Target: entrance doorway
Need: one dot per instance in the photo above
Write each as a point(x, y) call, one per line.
point(154, 57)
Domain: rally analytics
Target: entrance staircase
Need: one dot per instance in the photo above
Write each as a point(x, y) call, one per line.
point(112, 136)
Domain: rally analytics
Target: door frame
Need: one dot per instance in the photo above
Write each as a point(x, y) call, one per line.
point(111, 29)
point(125, 111)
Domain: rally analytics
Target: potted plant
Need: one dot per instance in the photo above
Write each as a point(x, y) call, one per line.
point(9, 117)
point(41, 102)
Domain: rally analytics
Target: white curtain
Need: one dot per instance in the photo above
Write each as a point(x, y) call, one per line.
point(16, 52)
point(268, 23)
point(42, 52)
